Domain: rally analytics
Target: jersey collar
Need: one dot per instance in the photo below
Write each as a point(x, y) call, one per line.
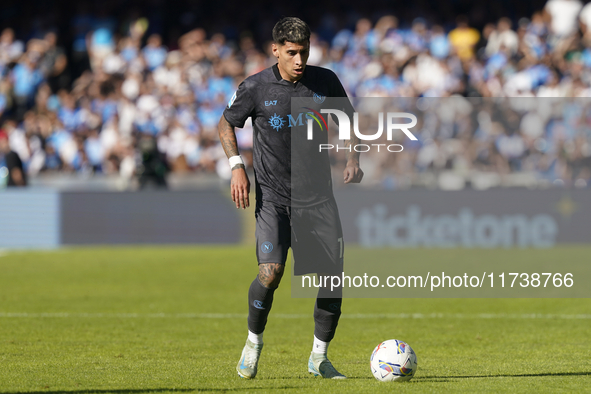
point(276, 72)
point(275, 69)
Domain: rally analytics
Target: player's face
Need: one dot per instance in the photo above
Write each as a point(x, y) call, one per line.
point(292, 59)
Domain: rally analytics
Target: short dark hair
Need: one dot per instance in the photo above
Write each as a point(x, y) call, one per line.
point(291, 29)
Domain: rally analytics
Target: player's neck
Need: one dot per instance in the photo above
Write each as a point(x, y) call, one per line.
point(286, 76)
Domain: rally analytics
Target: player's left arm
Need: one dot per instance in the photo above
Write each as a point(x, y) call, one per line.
point(352, 173)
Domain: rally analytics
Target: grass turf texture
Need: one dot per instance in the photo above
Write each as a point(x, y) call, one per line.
point(135, 320)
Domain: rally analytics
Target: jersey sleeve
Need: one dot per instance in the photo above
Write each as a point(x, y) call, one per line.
point(240, 107)
point(337, 90)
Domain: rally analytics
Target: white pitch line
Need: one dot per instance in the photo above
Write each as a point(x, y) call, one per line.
point(298, 316)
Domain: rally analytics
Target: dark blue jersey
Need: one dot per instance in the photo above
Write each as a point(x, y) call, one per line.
point(266, 98)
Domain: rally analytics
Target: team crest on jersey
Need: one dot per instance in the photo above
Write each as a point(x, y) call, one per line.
point(319, 97)
point(276, 122)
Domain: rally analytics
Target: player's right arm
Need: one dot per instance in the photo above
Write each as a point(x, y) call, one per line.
point(240, 108)
point(240, 184)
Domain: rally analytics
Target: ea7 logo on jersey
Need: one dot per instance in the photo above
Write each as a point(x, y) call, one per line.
point(270, 103)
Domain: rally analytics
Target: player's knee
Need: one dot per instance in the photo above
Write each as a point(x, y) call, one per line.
point(270, 274)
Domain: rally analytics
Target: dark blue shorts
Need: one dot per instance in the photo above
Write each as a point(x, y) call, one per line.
point(314, 234)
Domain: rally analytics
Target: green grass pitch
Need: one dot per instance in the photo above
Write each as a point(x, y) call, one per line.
point(172, 319)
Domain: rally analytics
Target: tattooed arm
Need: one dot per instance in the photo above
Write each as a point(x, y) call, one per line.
point(240, 184)
point(352, 173)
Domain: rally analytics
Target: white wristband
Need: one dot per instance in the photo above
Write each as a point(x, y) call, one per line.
point(235, 160)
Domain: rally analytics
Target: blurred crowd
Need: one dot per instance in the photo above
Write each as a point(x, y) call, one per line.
point(120, 101)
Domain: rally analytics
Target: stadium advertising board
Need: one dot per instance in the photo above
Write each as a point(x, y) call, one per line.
point(467, 219)
point(157, 217)
point(49, 219)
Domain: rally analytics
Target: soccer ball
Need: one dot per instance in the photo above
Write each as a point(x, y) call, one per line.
point(393, 360)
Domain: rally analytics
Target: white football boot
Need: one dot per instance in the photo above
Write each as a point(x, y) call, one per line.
point(318, 365)
point(247, 366)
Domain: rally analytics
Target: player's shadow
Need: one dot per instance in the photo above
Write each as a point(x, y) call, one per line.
point(140, 391)
point(251, 388)
point(90, 391)
point(517, 375)
point(448, 378)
